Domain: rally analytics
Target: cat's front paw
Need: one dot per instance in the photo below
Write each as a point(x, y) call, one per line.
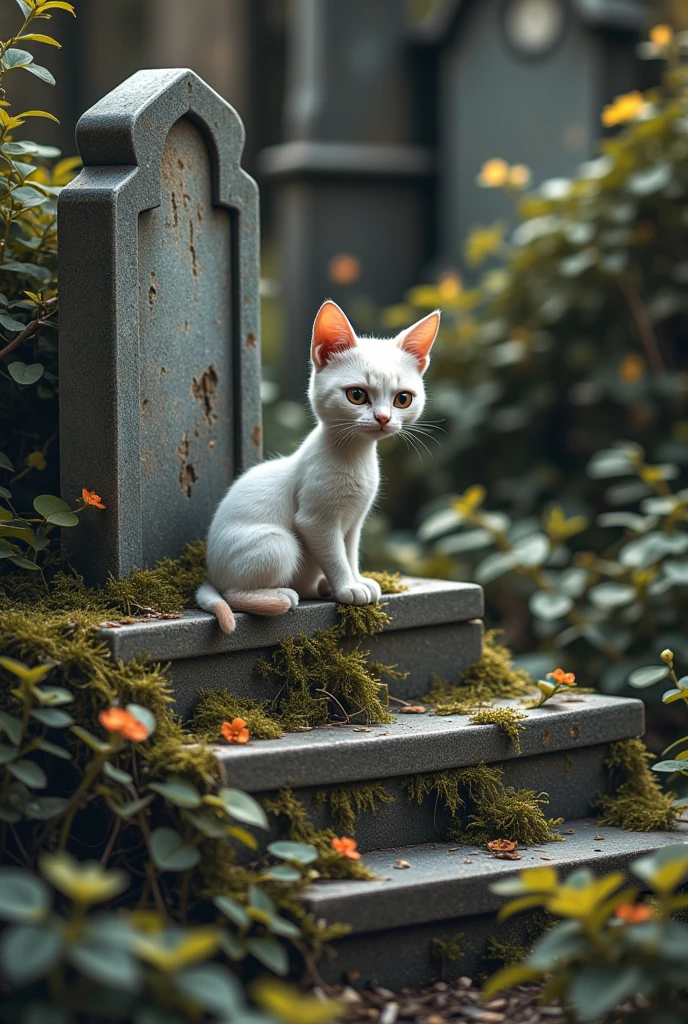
point(355, 593)
point(372, 585)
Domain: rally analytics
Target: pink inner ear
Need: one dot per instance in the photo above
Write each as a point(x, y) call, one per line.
point(418, 340)
point(332, 333)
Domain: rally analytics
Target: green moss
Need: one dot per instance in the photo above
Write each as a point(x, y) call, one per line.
point(168, 587)
point(449, 950)
point(505, 718)
point(346, 803)
point(483, 808)
point(491, 678)
point(217, 706)
point(298, 826)
point(637, 802)
point(390, 582)
point(511, 951)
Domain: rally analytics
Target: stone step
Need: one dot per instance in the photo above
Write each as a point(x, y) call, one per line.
point(445, 894)
point(434, 629)
point(425, 743)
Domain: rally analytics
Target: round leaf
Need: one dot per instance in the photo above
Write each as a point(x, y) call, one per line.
point(548, 606)
point(28, 772)
point(23, 897)
point(48, 504)
point(170, 851)
point(65, 519)
point(107, 965)
point(211, 986)
point(612, 595)
point(532, 550)
point(244, 808)
point(178, 791)
point(648, 676)
point(24, 374)
point(29, 951)
point(303, 853)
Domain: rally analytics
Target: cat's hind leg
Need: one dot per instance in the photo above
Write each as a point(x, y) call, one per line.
point(256, 568)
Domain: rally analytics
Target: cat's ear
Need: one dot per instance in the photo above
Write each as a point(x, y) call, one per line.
point(332, 333)
point(418, 339)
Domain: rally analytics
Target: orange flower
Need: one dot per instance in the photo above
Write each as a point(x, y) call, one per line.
point(661, 35)
point(624, 108)
point(494, 173)
point(519, 176)
point(119, 720)
point(91, 498)
point(634, 914)
point(344, 268)
point(347, 847)
point(631, 369)
point(563, 678)
point(235, 731)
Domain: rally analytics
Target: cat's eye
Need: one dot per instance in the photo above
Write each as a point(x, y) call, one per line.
point(357, 396)
point(403, 400)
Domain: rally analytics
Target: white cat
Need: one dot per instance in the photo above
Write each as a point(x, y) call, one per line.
point(289, 528)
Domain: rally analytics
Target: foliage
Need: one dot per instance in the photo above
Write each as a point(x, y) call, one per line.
point(31, 178)
point(506, 718)
point(449, 950)
point(491, 678)
point(347, 803)
point(608, 944)
point(217, 706)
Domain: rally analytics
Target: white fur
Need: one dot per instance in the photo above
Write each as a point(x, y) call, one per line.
point(289, 528)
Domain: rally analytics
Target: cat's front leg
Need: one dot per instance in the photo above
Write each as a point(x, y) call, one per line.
point(326, 545)
point(353, 542)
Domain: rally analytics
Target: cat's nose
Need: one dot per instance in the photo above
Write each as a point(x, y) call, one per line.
point(382, 417)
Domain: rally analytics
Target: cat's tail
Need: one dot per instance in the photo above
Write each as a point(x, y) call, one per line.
point(210, 600)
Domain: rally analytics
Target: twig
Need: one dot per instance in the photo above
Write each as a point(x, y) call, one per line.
point(30, 329)
point(643, 325)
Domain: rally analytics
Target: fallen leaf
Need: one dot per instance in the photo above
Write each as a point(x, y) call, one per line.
point(502, 845)
point(508, 855)
point(402, 864)
point(595, 838)
point(361, 729)
point(545, 858)
point(412, 709)
point(569, 832)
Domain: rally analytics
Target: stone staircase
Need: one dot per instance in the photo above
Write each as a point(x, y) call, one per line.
point(444, 894)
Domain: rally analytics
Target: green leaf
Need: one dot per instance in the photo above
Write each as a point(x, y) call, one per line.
point(270, 953)
point(63, 519)
point(548, 606)
point(287, 929)
point(610, 463)
point(4, 493)
point(208, 823)
point(647, 676)
point(131, 807)
point(15, 58)
point(117, 774)
point(28, 772)
point(26, 10)
point(211, 986)
point(54, 718)
point(10, 324)
point(40, 72)
point(28, 952)
point(5, 463)
point(37, 37)
point(12, 726)
point(54, 749)
point(42, 808)
point(23, 563)
point(144, 716)
point(107, 965)
point(285, 873)
point(24, 374)
point(670, 766)
point(232, 946)
point(302, 853)
point(233, 910)
point(8, 754)
point(494, 566)
point(612, 595)
point(52, 695)
point(40, 274)
point(90, 740)
point(178, 791)
point(6, 549)
point(27, 197)
point(23, 897)
point(170, 852)
point(244, 808)
point(596, 990)
point(48, 504)
point(243, 836)
point(531, 551)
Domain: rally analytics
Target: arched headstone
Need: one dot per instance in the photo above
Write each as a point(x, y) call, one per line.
point(159, 319)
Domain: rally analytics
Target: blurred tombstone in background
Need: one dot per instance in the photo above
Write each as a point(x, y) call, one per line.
point(376, 98)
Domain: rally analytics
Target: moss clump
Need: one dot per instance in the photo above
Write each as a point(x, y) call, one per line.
point(449, 950)
point(483, 808)
point(346, 803)
point(509, 952)
point(328, 675)
point(168, 587)
point(390, 582)
point(508, 719)
point(299, 827)
point(217, 706)
point(491, 678)
point(637, 803)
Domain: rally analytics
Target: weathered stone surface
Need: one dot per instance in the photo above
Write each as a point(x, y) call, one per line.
point(424, 743)
point(159, 319)
point(449, 882)
point(445, 650)
point(426, 603)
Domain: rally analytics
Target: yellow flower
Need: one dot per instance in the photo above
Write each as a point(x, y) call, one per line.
point(449, 285)
point(624, 108)
point(661, 35)
point(494, 173)
point(631, 369)
point(519, 176)
point(483, 242)
point(36, 460)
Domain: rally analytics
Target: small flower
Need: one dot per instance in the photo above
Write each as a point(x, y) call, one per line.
point(449, 285)
point(634, 914)
point(519, 176)
point(632, 369)
point(344, 268)
point(502, 845)
point(563, 678)
point(36, 460)
point(91, 498)
point(346, 846)
point(120, 720)
point(624, 108)
point(494, 173)
point(661, 35)
point(235, 731)
point(667, 656)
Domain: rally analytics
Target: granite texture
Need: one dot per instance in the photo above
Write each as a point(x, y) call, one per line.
point(442, 650)
point(446, 881)
point(159, 319)
point(196, 634)
point(423, 743)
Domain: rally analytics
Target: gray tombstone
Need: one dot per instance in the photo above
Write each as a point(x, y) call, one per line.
point(159, 320)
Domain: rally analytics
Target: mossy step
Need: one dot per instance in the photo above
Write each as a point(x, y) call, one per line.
point(425, 743)
point(434, 628)
point(445, 894)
